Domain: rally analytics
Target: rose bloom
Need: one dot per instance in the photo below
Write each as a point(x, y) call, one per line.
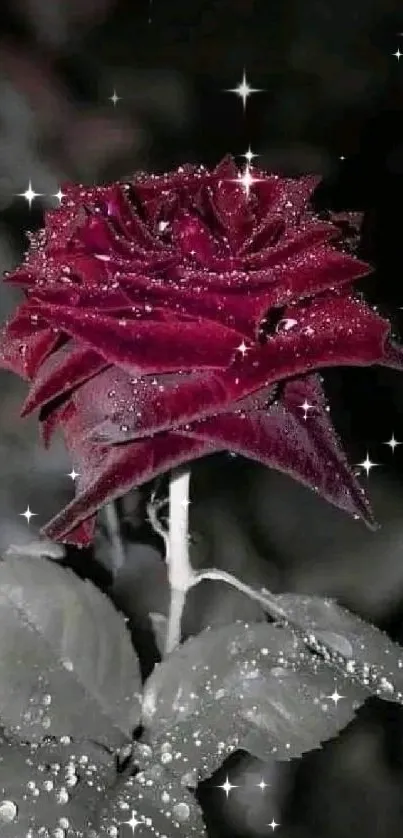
point(172, 316)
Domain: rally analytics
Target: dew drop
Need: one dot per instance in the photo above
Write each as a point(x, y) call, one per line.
point(8, 811)
point(181, 811)
point(48, 785)
point(62, 796)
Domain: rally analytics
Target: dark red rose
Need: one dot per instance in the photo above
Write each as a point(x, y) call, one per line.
point(177, 315)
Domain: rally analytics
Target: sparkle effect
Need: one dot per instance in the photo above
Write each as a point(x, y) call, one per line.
point(133, 822)
point(227, 786)
point(249, 155)
point(114, 98)
point(73, 474)
point(28, 514)
point(273, 825)
point(59, 195)
point(393, 443)
point(247, 179)
point(30, 194)
point(243, 90)
point(262, 785)
point(242, 348)
point(305, 406)
point(398, 54)
point(336, 697)
point(367, 464)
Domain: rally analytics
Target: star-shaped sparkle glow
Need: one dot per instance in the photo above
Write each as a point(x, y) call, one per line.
point(242, 348)
point(227, 786)
point(305, 406)
point(247, 179)
point(273, 825)
point(398, 54)
point(114, 98)
point(30, 194)
point(133, 822)
point(28, 514)
point(367, 464)
point(262, 785)
point(73, 474)
point(243, 90)
point(392, 442)
point(335, 697)
point(59, 195)
point(249, 155)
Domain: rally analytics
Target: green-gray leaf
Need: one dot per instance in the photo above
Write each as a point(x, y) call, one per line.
point(67, 663)
point(356, 648)
point(255, 687)
point(156, 804)
point(53, 788)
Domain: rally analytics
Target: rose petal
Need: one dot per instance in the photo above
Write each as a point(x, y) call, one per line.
point(147, 346)
point(147, 405)
point(306, 449)
point(60, 373)
point(26, 340)
point(123, 468)
point(193, 238)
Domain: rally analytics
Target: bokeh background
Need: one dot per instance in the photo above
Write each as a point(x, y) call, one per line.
point(332, 103)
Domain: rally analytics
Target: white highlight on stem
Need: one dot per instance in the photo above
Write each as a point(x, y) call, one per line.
point(113, 530)
point(181, 576)
point(180, 573)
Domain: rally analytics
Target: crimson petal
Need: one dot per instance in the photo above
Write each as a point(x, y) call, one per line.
point(193, 238)
point(306, 449)
point(120, 470)
point(149, 405)
point(25, 342)
point(230, 203)
point(60, 373)
point(147, 346)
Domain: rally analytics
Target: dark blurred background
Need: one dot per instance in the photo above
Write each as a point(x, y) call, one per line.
point(331, 103)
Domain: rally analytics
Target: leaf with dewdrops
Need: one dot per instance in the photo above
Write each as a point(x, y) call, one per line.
point(358, 649)
point(68, 666)
point(255, 687)
point(52, 788)
point(152, 804)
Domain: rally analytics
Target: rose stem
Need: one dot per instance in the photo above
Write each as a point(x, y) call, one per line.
point(180, 573)
point(113, 530)
point(181, 576)
point(266, 599)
